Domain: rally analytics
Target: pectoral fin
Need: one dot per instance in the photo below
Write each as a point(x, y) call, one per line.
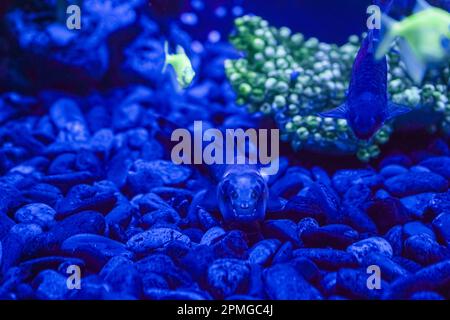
point(414, 65)
point(395, 110)
point(338, 113)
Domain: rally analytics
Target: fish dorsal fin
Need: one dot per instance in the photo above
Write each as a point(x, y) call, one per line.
point(414, 65)
point(180, 50)
point(421, 5)
point(337, 113)
point(166, 56)
point(395, 110)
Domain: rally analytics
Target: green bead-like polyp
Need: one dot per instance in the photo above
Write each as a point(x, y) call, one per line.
point(264, 81)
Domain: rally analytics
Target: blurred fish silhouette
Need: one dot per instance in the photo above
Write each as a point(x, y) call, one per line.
point(424, 39)
point(367, 106)
point(181, 65)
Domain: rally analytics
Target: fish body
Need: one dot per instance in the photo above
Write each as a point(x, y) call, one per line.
point(181, 64)
point(241, 192)
point(424, 39)
point(367, 106)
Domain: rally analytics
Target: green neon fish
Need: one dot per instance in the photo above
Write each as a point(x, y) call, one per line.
point(181, 64)
point(424, 38)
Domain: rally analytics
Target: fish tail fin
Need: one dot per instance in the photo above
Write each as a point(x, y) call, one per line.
point(415, 67)
point(388, 37)
point(166, 56)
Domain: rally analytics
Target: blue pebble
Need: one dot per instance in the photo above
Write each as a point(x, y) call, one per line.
point(36, 213)
point(330, 259)
point(439, 165)
point(50, 285)
point(153, 239)
point(12, 249)
point(290, 184)
point(392, 170)
point(390, 270)
point(198, 260)
point(441, 225)
point(96, 250)
point(427, 295)
point(416, 227)
point(206, 219)
point(353, 284)
point(164, 215)
point(307, 269)
point(387, 213)
point(93, 287)
point(414, 183)
point(212, 235)
point(419, 169)
point(336, 236)
point(284, 253)
point(232, 245)
point(357, 195)
point(26, 231)
point(430, 278)
point(194, 234)
point(227, 277)
point(125, 279)
point(283, 282)
point(395, 238)
point(179, 294)
point(63, 163)
point(423, 249)
point(83, 197)
point(357, 218)
point(43, 193)
point(120, 215)
point(370, 246)
point(262, 252)
point(407, 264)
point(440, 203)
point(306, 224)
point(153, 281)
point(417, 204)
point(397, 159)
point(118, 168)
point(6, 224)
point(83, 222)
point(344, 179)
point(327, 284)
point(164, 266)
point(285, 230)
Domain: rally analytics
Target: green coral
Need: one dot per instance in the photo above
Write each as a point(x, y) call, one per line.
point(293, 78)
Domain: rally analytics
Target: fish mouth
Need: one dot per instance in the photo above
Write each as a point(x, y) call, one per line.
point(244, 213)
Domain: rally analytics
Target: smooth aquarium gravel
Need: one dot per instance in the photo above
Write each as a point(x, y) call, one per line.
point(87, 180)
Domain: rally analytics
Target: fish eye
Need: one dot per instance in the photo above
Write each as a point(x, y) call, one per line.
point(234, 194)
point(254, 195)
